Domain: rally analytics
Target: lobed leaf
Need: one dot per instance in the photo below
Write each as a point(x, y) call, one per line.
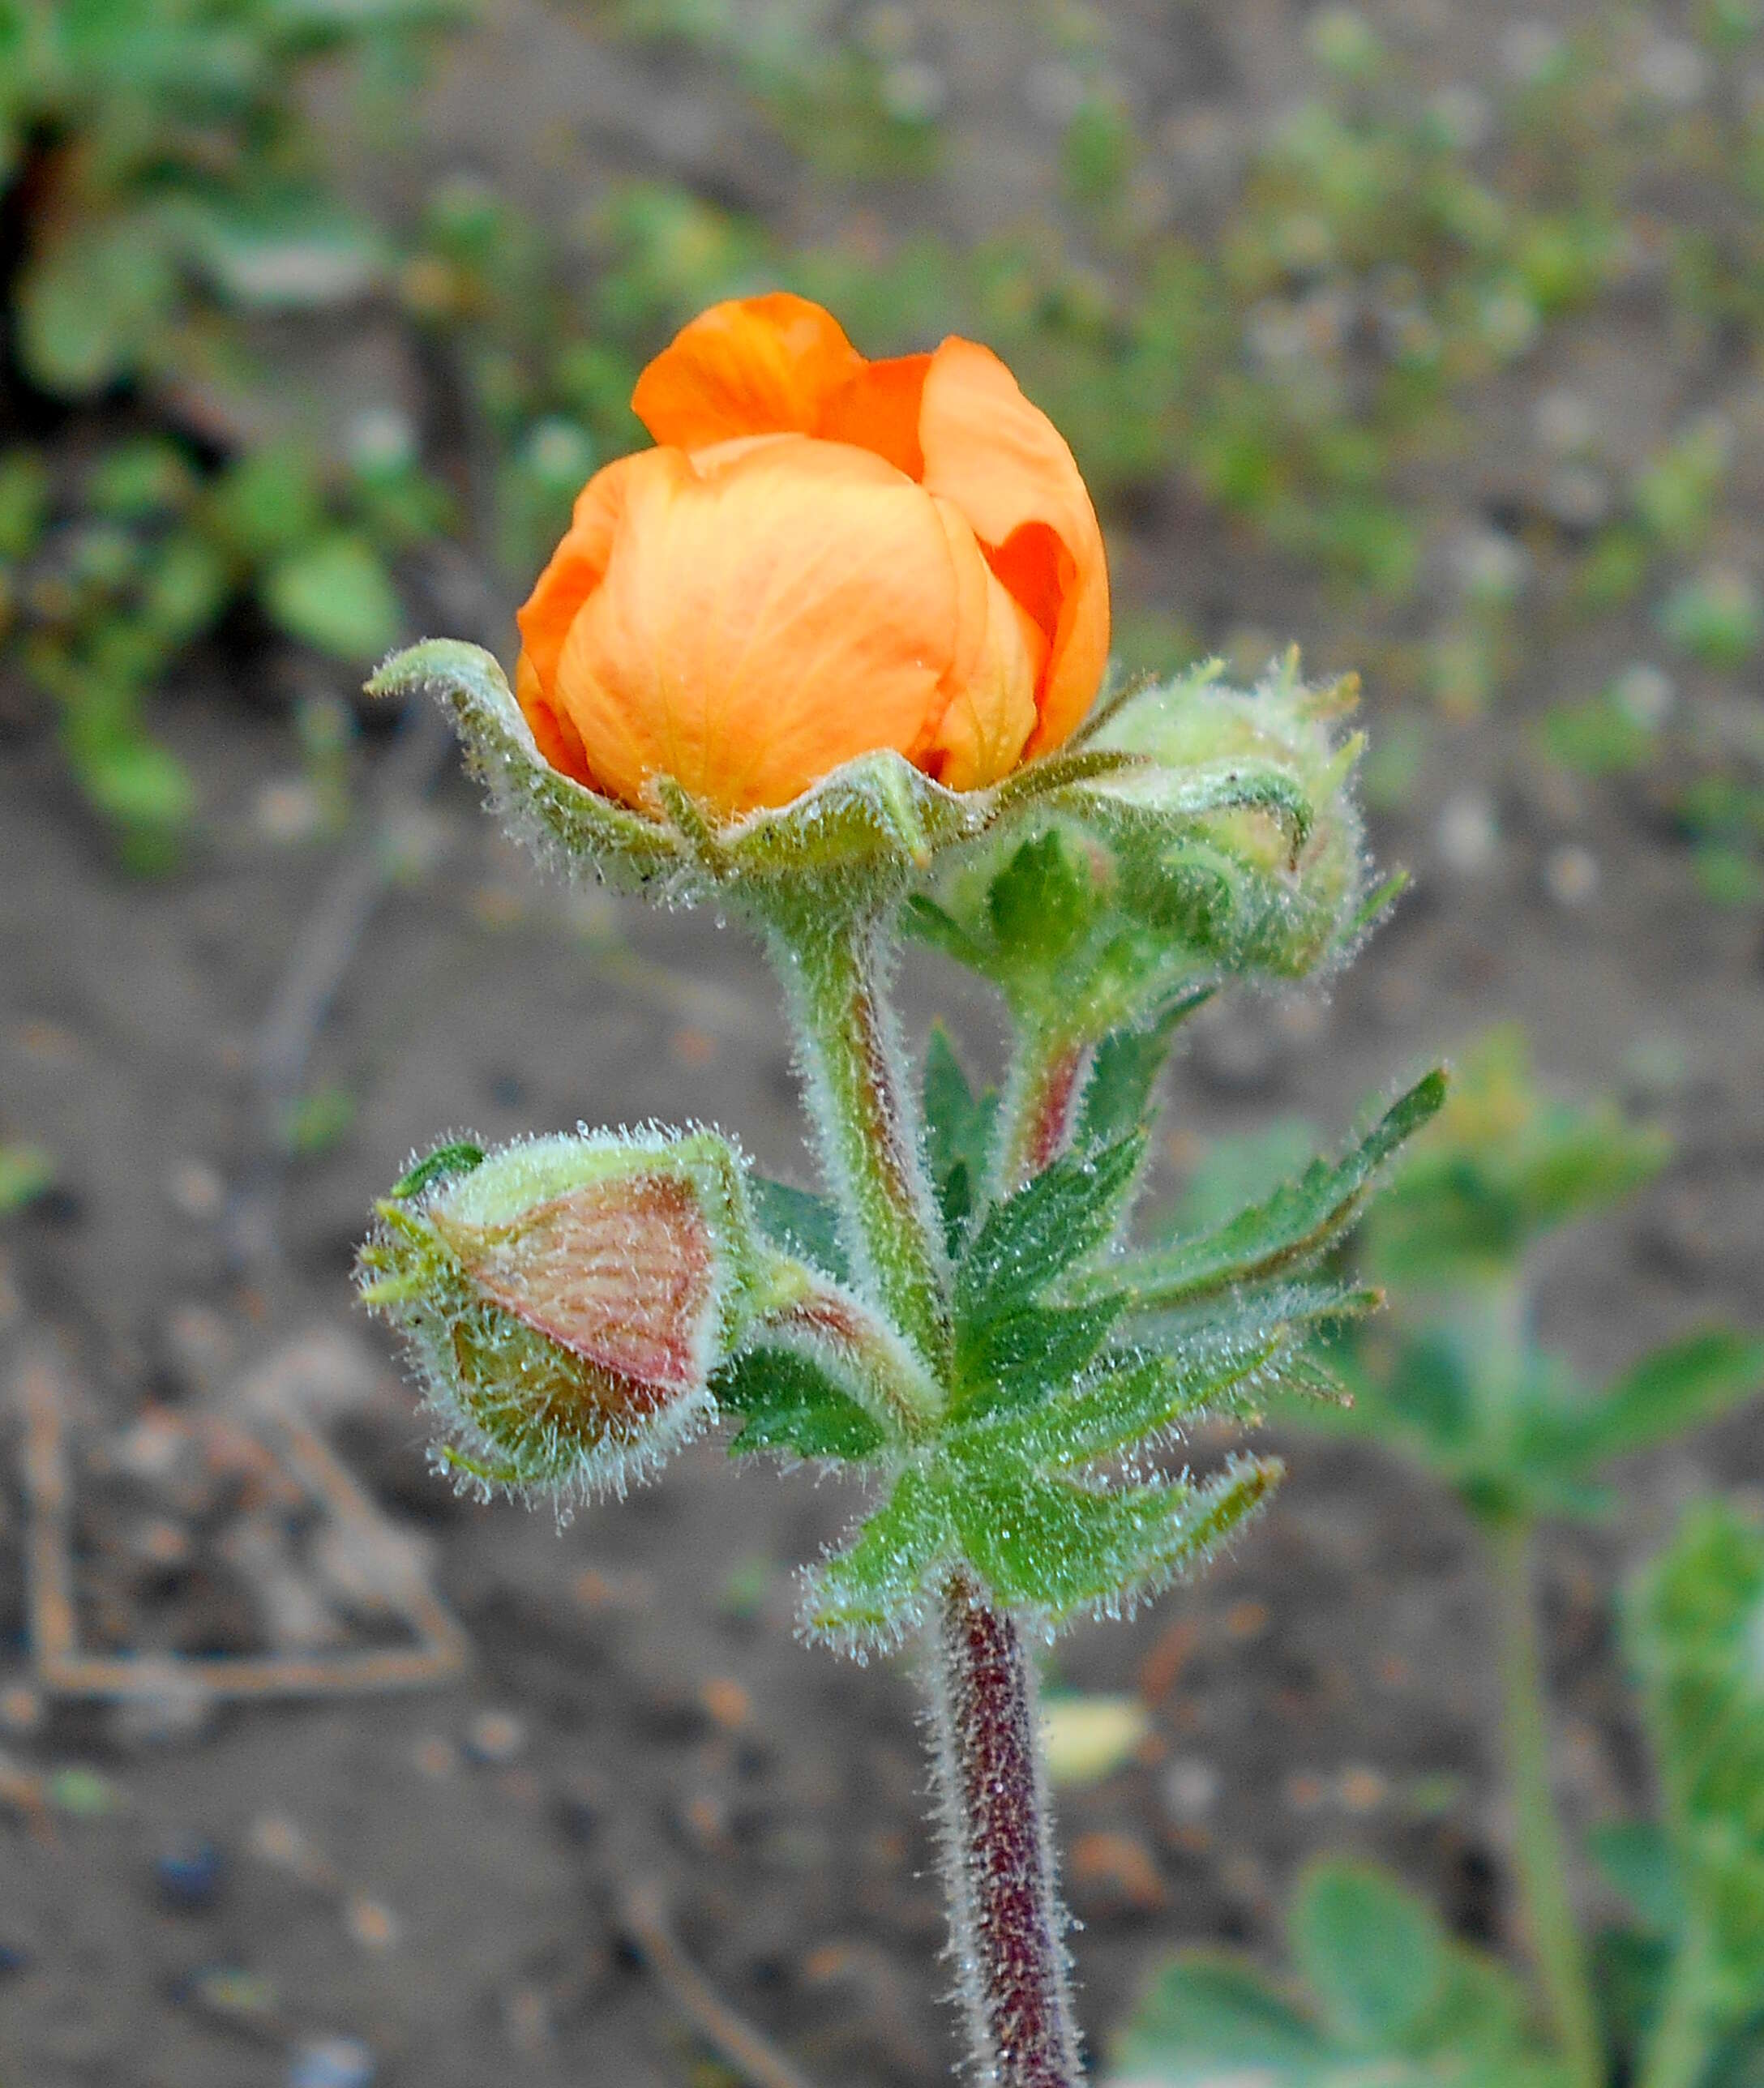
point(789, 1401)
point(1390, 2000)
point(959, 1127)
point(1039, 1232)
point(1295, 1224)
point(1014, 1360)
point(1673, 1390)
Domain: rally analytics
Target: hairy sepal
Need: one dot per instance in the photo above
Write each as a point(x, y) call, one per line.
point(874, 824)
point(1231, 846)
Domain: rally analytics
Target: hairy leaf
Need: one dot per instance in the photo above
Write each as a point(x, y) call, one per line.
point(1012, 1361)
point(1057, 1547)
point(1036, 1235)
point(959, 1129)
point(801, 1223)
point(789, 1401)
point(1124, 1071)
point(1292, 1227)
point(872, 1592)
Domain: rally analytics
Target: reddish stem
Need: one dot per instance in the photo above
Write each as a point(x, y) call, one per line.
point(1007, 1923)
point(1044, 1120)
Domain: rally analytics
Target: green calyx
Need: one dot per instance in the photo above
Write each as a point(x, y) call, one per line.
point(1230, 847)
point(857, 836)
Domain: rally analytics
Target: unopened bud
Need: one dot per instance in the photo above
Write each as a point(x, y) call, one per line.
point(565, 1300)
point(1252, 792)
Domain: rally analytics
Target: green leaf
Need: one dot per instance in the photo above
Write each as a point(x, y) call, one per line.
point(801, 1223)
point(300, 259)
point(869, 1595)
point(26, 1172)
point(938, 929)
point(1675, 1389)
point(91, 303)
point(1293, 1226)
point(266, 503)
point(1207, 2016)
point(1393, 2004)
point(1012, 1360)
point(1636, 1856)
point(1124, 1071)
point(791, 1402)
point(1502, 1164)
point(334, 594)
point(1372, 1952)
point(140, 786)
point(460, 1157)
point(1048, 1225)
point(1059, 1546)
point(1696, 1620)
point(959, 1129)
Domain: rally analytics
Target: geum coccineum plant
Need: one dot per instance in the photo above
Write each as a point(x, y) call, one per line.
point(829, 655)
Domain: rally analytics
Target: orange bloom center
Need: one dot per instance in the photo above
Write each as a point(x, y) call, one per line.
point(822, 557)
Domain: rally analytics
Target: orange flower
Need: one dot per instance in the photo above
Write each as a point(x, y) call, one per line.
point(823, 556)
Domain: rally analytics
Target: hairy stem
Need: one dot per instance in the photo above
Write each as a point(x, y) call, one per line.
point(1007, 1925)
point(1541, 1855)
point(864, 1117)
point(1039, 1105)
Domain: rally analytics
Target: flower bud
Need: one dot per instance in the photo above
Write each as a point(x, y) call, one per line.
point(565, 1300)
point(1225, 845)
point(1243, 818)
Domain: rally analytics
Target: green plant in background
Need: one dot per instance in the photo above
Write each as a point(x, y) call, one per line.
point(1457, 1381)
point(169, 202)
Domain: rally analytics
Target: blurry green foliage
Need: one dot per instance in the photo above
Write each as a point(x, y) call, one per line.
point(1387, 1996)
point(1456, 1381)
point(155, 156)
point(26, 1173)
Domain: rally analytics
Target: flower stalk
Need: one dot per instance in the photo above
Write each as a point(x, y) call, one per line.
point(864, 1115)
point(1007, 1925)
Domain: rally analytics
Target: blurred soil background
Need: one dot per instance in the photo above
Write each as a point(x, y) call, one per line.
point(1510, 470)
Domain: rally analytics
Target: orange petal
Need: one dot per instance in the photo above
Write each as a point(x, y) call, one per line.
point(768, 611)
point(1005, 465)
point(751, 365)
point(990, 711)
point(878, 408)
point(574, 572)
point(558, 739)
